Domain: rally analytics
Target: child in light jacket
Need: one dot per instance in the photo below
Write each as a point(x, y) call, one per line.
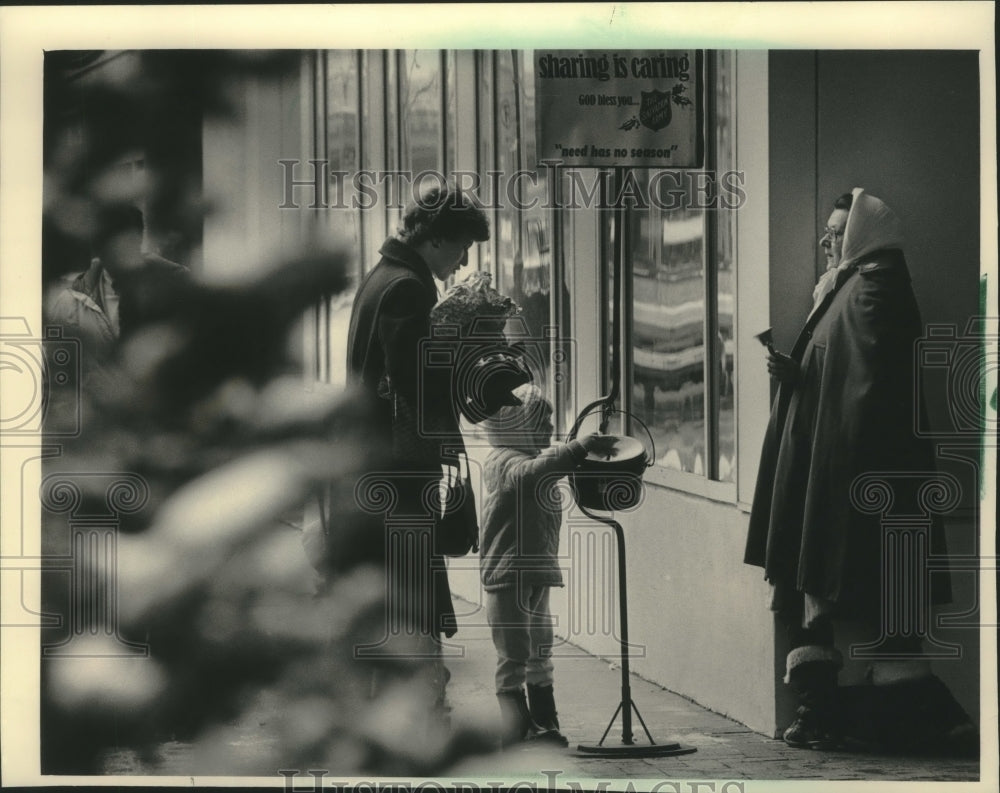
point(518, 557)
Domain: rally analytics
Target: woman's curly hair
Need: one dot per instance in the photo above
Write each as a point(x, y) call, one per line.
point(444, 212)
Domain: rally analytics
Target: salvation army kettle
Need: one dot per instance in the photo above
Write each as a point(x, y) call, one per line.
point(613, 481)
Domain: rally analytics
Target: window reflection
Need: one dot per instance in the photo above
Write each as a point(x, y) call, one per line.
point(485, 92)
point(668, 352)
point(725, 267)
point(420, 127)
point(507, 160)
point(672, 361)
point(342, 136)
point(451, 112)
point(533, 266)
point(393, 158)
point(524, 231)
point(340, 73)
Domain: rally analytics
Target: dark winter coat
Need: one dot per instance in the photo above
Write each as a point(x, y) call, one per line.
point(387, 346)
point(389, 320)
point(850, 412)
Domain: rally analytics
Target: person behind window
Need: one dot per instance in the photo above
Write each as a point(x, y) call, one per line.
point(518, 557)
point(88, 301)
point(845, 408)
point(97, 304)
point(390, 318)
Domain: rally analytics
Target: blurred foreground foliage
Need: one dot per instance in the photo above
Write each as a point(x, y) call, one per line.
point(203, 442)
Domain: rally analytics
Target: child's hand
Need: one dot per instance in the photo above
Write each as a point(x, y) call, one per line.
point(599, 444)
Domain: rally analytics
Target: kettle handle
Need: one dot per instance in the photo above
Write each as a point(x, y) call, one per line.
point(583, 414)
point(590, 409)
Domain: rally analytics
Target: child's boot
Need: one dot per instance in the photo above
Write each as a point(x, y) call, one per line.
point(516, 724)
point(542, 705)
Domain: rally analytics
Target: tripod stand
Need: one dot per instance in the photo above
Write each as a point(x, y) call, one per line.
point(627, 747)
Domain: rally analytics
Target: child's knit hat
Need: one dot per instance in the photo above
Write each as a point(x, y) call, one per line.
point(513, 425)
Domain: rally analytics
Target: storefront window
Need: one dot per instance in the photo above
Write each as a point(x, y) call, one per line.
point(680, 251)
point(486, 146)
point(387, 94)
point(338, 139)
point(725, 268)
point(420, 117)
point(341, 136)
point(527, 267)
point(451, 112)
point(507, 159)
point(668, 344)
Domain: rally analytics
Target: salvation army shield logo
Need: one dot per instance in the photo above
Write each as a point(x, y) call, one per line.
point(655, 111)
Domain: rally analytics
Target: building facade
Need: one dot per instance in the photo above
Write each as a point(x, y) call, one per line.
point(331, 152)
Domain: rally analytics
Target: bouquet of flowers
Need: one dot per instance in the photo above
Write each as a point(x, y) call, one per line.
point(472, 299)
point(486, 368)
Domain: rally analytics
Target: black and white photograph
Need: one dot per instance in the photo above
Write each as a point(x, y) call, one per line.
point(499, 396)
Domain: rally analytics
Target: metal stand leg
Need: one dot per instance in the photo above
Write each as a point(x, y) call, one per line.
point(628, 747)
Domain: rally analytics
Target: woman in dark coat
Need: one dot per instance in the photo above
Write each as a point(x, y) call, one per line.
point(842, 422)
point(417, 421)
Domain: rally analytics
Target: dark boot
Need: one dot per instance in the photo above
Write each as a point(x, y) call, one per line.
point(542, 703)
point(516, 724)
point(812, 673)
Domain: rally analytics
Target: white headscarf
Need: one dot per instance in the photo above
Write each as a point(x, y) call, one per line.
point(871, 226)
point(825, 284)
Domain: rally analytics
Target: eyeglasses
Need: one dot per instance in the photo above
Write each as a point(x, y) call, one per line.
point(833, 234)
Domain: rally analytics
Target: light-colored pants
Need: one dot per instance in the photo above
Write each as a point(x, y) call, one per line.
point(522, 634)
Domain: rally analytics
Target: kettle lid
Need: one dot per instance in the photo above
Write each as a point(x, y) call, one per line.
point(625, 449)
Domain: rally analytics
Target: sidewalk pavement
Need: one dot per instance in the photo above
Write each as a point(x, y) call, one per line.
point(588, 689)
point(587, 692)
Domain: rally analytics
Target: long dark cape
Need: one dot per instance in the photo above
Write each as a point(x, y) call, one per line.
point(851, 413)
